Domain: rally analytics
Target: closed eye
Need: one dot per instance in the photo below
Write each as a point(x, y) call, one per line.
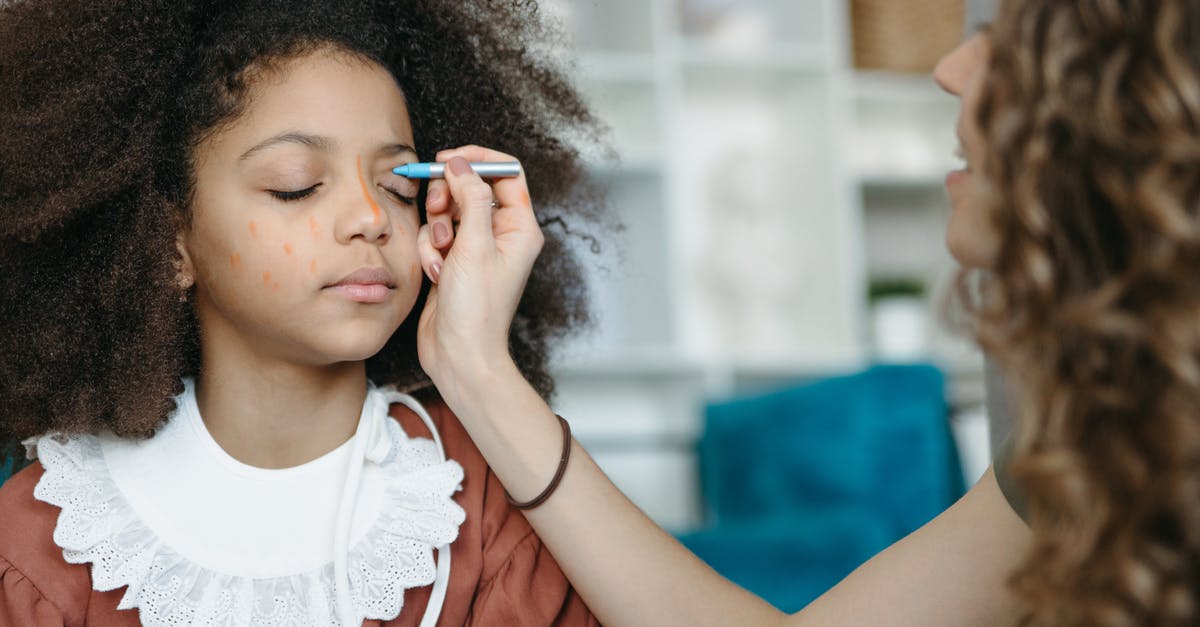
point(408, 200)
point(289, 196)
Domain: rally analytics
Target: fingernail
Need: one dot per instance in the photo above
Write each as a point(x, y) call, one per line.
point(459, 166)
point(441, 234)
point(433, 197)
point(436, 271)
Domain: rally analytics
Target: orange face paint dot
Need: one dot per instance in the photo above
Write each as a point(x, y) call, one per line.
point(287, 248)
point(367, 192)
point(253, 230)
point(312, 267)
point(314, 228)
point(266, 278)
point(235, 261)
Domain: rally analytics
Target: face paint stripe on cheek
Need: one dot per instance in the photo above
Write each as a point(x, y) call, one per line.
point(267, 278)
point(314, 228)
point(366, 192)
point(287, 248)
point(235, 261)
point(312, 267)
point(253, 229)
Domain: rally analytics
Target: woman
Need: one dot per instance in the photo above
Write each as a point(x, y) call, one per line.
point(1079, 124)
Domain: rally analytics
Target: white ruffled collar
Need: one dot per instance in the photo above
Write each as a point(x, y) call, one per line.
point(98, 525)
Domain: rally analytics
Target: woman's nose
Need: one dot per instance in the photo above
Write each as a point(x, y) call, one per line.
point(954, 70)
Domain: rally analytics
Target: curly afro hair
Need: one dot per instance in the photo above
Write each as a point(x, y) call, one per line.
point(101, 106)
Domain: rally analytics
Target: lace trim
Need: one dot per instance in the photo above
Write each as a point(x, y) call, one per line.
point(98, 526)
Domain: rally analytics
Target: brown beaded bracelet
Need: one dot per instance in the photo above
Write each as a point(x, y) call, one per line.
point(558, 475)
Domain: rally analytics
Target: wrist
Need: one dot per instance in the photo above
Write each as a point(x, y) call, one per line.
point(474, 380)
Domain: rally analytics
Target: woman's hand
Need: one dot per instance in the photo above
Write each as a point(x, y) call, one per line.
point(478, 270)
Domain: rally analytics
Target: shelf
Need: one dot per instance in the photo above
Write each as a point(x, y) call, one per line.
point(777, 58)
point(659, 365)
point(890, 87)
point(916, 181)
point(632, 364)
point(727, 280)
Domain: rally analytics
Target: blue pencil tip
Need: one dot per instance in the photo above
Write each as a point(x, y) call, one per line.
point(401, 170)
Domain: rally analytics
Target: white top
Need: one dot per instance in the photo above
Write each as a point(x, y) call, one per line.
point(201, 538)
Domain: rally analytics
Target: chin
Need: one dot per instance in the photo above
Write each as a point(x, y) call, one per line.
point(969, 253)
point(352, 345)
point(969, 240)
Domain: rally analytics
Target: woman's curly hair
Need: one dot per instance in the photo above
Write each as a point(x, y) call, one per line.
point(1091, 114)
point(101, 106)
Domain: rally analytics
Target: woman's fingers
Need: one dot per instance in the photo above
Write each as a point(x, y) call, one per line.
point(513, 218)
point(440, 214)
point(496, 213)
point(511, 191)
point(431, 258)
point(474, 198)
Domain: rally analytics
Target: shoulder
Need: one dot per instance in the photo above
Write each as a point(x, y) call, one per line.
point(27, 544)
point(455, 438)
point(26, 521)
point(494, 527)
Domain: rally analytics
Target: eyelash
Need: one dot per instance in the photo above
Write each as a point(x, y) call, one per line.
point(292, 196)
point(301, 194)
point(408, 200)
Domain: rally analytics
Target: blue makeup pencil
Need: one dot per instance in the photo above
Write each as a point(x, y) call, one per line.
point(487, 170)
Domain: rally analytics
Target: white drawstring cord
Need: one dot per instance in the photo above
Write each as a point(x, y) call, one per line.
point(347, 615)
point(373, 444)
point(437, 598)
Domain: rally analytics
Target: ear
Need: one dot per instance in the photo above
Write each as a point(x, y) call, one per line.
point(185, 273)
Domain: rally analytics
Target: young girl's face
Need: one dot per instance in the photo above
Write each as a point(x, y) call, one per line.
point(302, 243)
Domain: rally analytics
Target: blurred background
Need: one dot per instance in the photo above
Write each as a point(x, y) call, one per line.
point(770, 376)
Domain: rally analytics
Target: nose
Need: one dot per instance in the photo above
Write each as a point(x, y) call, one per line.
point(953, 71)
point(362, 216)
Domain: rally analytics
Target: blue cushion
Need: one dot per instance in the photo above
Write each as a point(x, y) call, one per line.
point(6, 469)
point(806, 483)
point(879, 438)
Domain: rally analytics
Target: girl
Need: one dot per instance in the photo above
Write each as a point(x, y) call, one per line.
point(212, 297)
point(1080, 126)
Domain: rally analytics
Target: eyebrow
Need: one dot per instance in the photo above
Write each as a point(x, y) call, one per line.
point(323, 144)
point(391, 150)
point(320, 143)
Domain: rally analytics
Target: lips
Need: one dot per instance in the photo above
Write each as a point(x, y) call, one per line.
point(365, 285)
point(957, 176)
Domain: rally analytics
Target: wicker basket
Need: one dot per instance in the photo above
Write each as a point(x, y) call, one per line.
point(904, 35)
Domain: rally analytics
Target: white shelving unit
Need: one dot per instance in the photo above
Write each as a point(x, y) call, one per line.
point(762, 182)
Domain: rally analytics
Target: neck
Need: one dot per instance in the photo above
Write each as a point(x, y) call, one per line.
point(271, 414)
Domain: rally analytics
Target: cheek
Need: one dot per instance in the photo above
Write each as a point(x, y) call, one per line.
point(407, 224)
point(272, 257)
